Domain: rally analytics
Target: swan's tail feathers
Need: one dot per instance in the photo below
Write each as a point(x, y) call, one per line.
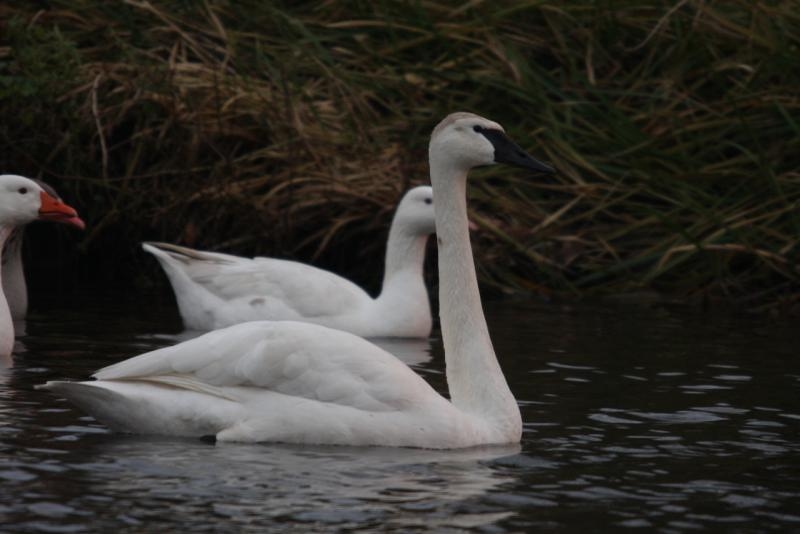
point(183, 254)
point(186, 274)
point(85, 395)
point(71, 390)
point(143, 407)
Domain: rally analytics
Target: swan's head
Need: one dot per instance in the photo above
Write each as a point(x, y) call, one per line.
point(23, 200)
point(415, 211)
point(465, 140)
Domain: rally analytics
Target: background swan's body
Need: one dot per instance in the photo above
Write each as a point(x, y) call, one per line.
point(13, 273)
point(22, 200)
point(304, 383)
point(215, 290)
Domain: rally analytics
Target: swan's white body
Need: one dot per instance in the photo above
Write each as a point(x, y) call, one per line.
point(277, 381)
point(22, 200)
point(304, 383)
point(216, 290)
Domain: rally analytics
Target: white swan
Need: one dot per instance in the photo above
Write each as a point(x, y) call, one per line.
point(13, 274)
point(215, 290)
point(22, 201)
point(304, 383)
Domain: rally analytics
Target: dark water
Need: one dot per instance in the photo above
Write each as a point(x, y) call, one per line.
point(637, 418)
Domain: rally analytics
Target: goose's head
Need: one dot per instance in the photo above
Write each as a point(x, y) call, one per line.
point(23, 200)
point(465, 140)
point(415, 211)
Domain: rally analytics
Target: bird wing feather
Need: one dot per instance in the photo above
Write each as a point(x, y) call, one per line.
point(306, 290)
point(295, 359)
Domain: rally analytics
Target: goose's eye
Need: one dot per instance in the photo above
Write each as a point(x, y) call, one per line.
point(22, 190)
point(477, 128)
point(428, 201)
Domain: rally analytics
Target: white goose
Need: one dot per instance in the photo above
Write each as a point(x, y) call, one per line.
point(13, 274)
point(215, 290)
point(304, 383)
point(22, 201)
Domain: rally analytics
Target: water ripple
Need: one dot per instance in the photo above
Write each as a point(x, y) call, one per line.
point(643, 420)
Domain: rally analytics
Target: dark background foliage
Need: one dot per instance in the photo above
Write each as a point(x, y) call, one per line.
point(292, 129)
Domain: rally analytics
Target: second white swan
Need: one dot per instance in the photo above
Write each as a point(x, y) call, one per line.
point(215, 290)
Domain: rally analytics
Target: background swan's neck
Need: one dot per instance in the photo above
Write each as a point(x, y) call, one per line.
point(476, 382)
point(404, 297)
point(405, 256)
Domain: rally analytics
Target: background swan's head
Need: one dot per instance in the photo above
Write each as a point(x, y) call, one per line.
point(22, 200)
point(415, 211)
point(465, 140)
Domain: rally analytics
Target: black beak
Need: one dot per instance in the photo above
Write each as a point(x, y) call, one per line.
point(507, 151)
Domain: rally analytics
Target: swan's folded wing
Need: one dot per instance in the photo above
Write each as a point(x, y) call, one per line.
point(309, 291)
point(295, 359)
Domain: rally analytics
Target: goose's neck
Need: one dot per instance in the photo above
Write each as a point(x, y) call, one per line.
point(474, 377)
point(13, 242)
point(6, 324)
point(13, 274)
point(7, 245)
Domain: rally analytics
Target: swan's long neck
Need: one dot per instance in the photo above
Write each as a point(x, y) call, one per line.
point(405, 257)
point(476, 382)
point(403, 296)
point(6, 324)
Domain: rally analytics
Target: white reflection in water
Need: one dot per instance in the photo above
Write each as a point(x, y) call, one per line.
point(300, 483)
point(411, 351)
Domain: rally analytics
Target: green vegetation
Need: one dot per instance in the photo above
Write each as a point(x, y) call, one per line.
point(292, 128)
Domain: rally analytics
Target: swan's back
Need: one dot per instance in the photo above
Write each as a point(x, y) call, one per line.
point(215, 290)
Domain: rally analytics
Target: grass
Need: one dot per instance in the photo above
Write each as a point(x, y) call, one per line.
point(292, 129)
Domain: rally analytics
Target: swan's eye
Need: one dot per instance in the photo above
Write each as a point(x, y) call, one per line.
point(22, 190)
point(477, 128)
point(428, 201)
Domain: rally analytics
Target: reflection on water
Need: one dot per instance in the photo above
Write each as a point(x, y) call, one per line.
point(636, 416)
point(411, 351)
point(257, 484)
point(343, 485)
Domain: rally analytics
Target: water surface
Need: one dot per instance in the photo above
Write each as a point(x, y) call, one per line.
point(637, 417)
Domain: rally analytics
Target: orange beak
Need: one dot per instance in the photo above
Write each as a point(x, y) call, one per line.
point(52, 209)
